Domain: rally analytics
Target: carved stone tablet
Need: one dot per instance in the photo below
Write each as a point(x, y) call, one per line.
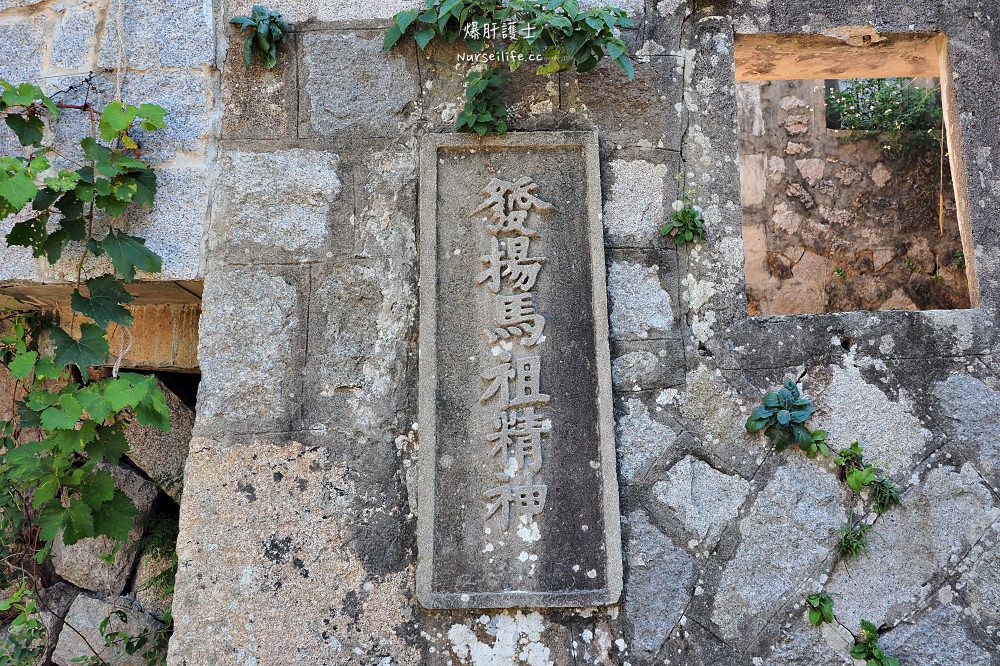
point(518, 492)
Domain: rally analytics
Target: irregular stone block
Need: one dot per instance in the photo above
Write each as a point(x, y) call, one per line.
point(350, 88)
point(640, 294)
point(22, 45)
point(276, 207)
point(646, 364)
point(941, 518)
point(630, 113)
point(159, 34)
point(702, 498)
point(544, 503)
point(73, 42)
point(148, 589)
point(973, 408)
point(86, 615)
point(637, 197)
point(189, 101)
point(80, 564)
point(940, 638)
point(251, 357)
point(159, 454)
point(661, 581)
point(641, 439)
point(787, 533)
point(318, 535)
point(259, 103)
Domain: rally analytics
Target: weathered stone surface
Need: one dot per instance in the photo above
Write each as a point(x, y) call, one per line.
point(787, 534)
point(259, 103)
point(641, 307)
point(159, 454)
point(564, 551)
point(190, 119)
point(276, 207)
point(662, 577)
point(80, 564)
point(251, 357)
point(702, 498)
point(637, 202)
point(641, 439)
point(940, 638)
point(852, 409)
point(86, 615)
point(149, 589)
point(188, 23)
point(804, 645)
point(646, 364)
point(317, 566)
point(637, 113)
point(22, 48)
point(345, 85)
point(73, 42)
point(982, 581)
point(943, 515)
point(301, 11)
point(973, 408)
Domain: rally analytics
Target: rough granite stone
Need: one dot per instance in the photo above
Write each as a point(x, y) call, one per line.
point(150, 593)
point(86, 614)
point(22, 46)
point(973, 408)
point(939, 638)
point(982, 583)
point(640, 305)
point(275, 207)
point(702, 498)
point(349, 87)
point(80, 565)
point(303, 11)
point(942, 517)
point(641, 439)
point(638, 365)
point(852, 409)
point(258, 103)
point(73, 43)
point(159, 454)
point(312, 535)
point(636, 203)
point(786, 535)
point(662, 577)
point(251, 357)
point(178, 33)
point(805, 645)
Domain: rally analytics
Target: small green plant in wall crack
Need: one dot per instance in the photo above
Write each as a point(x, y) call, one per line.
point(483, 112)
point(782, 417)
point(867, 648)
point(265, 29)
point(820, 608)
point(557, 34)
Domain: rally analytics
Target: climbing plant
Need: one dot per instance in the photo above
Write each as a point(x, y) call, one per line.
point(557, 33)
point(67, 419)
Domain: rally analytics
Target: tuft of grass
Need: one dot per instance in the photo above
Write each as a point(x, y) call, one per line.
point(885, 495)
point(854, 541)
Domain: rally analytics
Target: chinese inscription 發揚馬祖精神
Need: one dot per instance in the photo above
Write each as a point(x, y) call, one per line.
point(513, 385)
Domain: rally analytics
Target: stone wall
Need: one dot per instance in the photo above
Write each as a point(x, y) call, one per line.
point(297, 537)
point(834, 226)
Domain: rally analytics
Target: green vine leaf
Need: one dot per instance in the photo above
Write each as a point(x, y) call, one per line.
point(91, 349)
point(129, 253)
point(63, 417)
point(104, 302)
point(29, 129)
point(22, 364)
point(116, 517)
point(128, 389)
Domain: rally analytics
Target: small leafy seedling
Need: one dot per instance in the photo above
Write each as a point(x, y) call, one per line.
point(885, 495)
point(686, 223)
point(851, 457)
point(782, 417)
point(854, 540)
point(483, 112)
point(867, 648)
point(820, 608)
point(265, 29)
point(840, 272)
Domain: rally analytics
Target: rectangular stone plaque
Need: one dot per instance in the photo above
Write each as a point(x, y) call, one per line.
point(518, 491)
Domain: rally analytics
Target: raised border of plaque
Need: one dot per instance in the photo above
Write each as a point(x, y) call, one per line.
point(442, 589)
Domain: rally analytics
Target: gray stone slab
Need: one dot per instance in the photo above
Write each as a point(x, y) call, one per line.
point(565, 548)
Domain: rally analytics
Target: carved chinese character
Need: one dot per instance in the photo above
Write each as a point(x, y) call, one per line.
point(515, 383)
point(516, 317)
point(523, 500)
point(517, 435)
point(509, 258)
point(509, 204)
